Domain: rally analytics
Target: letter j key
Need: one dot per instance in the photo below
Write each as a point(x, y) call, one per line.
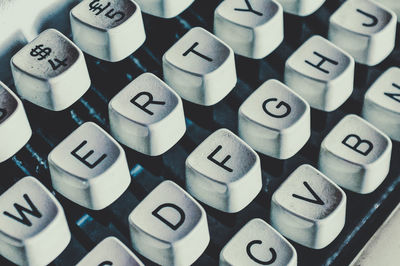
point(365, 29)
point(355, 155)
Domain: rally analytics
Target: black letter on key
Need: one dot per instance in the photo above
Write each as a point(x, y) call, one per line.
point(220, 164)
point(22, 210)
point(323, 60)
point(278, 106)
point(357, 144)
point(147, 103)
point(394, 96)
point(83, 159)
point(316, 200)
point(3, 113)
point(170, 224)
point(106, 263)
point(250, 9)
point(372, 17)
point(191, 49)
point(259, 242)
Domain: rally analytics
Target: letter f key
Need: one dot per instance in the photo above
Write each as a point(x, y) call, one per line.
point(356, 155)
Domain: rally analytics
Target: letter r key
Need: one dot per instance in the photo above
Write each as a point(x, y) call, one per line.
point(355, 155)
point(147, 115)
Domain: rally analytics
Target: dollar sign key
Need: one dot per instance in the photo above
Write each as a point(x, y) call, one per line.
point(40, 51)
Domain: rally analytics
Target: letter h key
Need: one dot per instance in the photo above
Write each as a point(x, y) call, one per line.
point(321, 73)
point(355, 155)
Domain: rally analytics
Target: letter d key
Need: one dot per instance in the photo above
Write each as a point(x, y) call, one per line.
point(169, 227)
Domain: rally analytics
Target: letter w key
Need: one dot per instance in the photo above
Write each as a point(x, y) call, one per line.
point(22, 210)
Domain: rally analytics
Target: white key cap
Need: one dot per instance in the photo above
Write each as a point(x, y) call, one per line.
point(355, 155)
point(382, 100)
point(308, 208)
point(164, 8)
point(108, 29)
point(254, 22)
point(224, 172)
point(257, 243)
point(33, 227)
point(21, 21)
point(110, 251)
point(274, 120)
point(366, 30)
point(321, 73)
point(50, 71)
point(301, 7)
point(15, 130)
point(383, 247)
point(391, 4)
point(147, 115)
point(169, 227)
point(89, 167)
point(200, 67)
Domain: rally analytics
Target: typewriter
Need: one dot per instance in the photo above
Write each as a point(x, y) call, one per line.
point(166, 132)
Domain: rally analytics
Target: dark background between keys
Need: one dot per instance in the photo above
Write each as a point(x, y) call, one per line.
point(365, 213)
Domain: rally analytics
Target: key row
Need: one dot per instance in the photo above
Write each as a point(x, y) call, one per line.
point(199, 67)
point(147, 116)
point(112, 30)
point(169, 227)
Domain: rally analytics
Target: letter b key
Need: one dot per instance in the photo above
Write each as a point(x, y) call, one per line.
point(355, 155)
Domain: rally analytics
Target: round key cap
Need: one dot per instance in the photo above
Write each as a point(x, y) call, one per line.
point(308, 208)
point(200, 67)
point(355, 155)
point(257, 243)
point(50, 71)
point(33, 227)
point(274, 120)
point(15, 130)
point(382, 100)
point(169, 227)
point(89, 167)
point(301, 7)
point(254, 22)
point(321, 73)
point(224, 172)
point(147, 115)
point(110, 30)
point(164, 8)
point(365, 29)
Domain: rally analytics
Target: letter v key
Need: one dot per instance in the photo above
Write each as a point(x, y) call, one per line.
point(316, 200)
